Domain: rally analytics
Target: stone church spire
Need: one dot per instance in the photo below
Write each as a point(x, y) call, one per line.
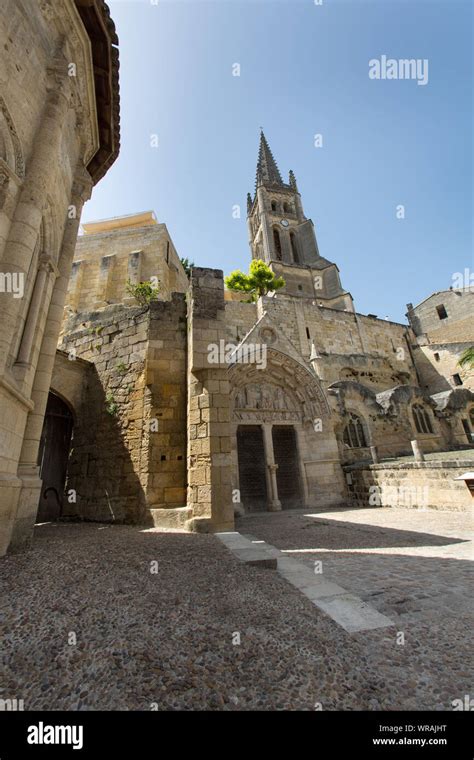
point(284, 238)
point(267, 169)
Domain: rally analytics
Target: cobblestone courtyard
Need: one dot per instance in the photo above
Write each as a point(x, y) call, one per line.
point(167, 640)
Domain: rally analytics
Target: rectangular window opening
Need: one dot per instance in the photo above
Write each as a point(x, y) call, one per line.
point(442, 313)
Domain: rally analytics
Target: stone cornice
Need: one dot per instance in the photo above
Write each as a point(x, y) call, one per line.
point(89, 39)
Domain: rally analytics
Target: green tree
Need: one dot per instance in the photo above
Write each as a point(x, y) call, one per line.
point(143, 292)
point(258, 282)
point(187, 266)
point(467, 358)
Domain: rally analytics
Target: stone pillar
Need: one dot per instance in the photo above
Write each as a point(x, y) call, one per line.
point(267, 241)
point(209, 448)
point(45, 269)
point(28, 470)
point(106, 267)
point(418, 454)
point(299, 208)
point(25, 227)
point(374, 454)
point(274, 503)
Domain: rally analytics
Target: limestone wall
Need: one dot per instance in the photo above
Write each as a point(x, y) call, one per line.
point(108, 462)
point(438, 363)
point(166, 408)
point(458, 325)
point(442, 336)
point(428, 485)
point(129, 443)
point(349, 346)
point(105, 261)
point(209, 442)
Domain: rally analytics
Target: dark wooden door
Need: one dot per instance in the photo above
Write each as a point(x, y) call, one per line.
point(251, 453)
point(53, 457)
point(285, 451)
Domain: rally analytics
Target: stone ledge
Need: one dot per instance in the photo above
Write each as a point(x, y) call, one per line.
point(172, 519)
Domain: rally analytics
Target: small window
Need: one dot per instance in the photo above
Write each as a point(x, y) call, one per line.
point(286, 208)
point(307, 333)
point(422, 419)
point(300, 287)
point(457, 379)
point(442, 313)
point(436, 356)
point(274, 206)
point(354, 434)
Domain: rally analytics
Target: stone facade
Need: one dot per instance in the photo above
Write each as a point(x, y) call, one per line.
point(110, 254)
point(410, 485)
point(444, 328)
point(58, 136)
point(200, 405)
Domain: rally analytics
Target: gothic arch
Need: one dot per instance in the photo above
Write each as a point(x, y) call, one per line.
point(422, 419)
point(277, 244)
point(285, 390)
point(354, 432)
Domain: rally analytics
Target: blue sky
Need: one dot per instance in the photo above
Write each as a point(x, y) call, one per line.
point(303, 71)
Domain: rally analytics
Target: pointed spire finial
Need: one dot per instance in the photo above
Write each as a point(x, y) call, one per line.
point(249, 202)
point(267, 169)
point(293, 180)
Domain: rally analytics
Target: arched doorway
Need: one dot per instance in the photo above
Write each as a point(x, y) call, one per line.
point(53, 457)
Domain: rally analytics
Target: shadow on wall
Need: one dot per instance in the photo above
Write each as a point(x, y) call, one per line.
point(102, 482)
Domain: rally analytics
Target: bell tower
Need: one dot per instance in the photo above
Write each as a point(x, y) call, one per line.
point(282, 236)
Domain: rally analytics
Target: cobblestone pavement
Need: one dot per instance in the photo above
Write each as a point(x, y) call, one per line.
point(167, 639)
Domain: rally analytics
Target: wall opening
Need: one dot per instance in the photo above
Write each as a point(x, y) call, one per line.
point(277, 242)
point(252, 477)
point(285, 451)
point(53, 457)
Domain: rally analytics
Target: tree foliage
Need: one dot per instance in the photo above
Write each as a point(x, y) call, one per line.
point(467, 358)
point(187, 266)
point(258, 282)
point(143, 292)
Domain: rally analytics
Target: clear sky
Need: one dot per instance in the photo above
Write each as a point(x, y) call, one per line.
point(304, 70)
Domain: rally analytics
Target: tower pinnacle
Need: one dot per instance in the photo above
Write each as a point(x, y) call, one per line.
point(267, 169)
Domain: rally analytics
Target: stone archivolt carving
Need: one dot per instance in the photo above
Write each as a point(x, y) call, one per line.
point(285, 391)
point(264, 396)
point(268, 336)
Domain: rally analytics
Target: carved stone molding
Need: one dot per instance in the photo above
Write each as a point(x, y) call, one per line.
point(284, 391)
point(19, 167)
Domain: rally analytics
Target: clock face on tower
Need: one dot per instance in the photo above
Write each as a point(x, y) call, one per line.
point(284, 222)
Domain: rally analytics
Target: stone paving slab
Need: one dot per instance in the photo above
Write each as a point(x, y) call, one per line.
point(246, 551)
point(346, 609)
point(352, 613)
